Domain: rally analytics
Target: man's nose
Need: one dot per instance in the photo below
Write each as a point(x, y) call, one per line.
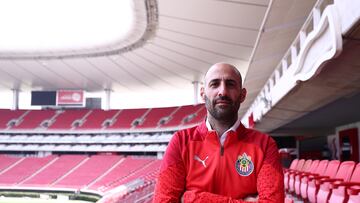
point(222, 90)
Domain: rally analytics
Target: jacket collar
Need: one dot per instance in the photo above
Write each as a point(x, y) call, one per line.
point(204, 131)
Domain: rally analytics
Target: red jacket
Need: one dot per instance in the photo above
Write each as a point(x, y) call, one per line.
point(196, 163)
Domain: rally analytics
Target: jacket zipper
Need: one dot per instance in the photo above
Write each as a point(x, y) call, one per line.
point(220, 169)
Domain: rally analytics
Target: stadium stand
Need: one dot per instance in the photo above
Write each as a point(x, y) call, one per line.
point(96, 119)
point(22, 169)
point(154, 117)
point(179, 116)
point(66, 119)
point(325, 181)
point(9, 117)
point(97, 173)
point(86, 171)
point(119, 172)
point(6, 161)
point(126, 119)
point(34, 119)
point(92, 131)
point(135, 168)
point(195, 118)
point(54, 171)
point(147, 172)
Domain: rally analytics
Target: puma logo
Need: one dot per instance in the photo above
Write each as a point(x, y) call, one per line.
point(197, 158)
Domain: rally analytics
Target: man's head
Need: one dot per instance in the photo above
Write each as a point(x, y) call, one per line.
point(223, 92)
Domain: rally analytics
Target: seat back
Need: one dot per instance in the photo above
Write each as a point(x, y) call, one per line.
point(332, 168)
point(294, 164)
point(356, 174)
point(314, 166)
point(300, 165)
point(345, 170)
point(307, 165)
point(322, 167)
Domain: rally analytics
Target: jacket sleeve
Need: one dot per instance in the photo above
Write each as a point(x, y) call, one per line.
point(270, 180)
point(170, 185)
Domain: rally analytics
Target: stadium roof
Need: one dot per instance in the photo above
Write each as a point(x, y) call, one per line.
point(168, 46)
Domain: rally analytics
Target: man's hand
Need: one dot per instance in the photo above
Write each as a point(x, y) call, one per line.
point(252, 198)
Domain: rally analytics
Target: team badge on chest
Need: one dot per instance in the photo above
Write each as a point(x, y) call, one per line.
point(244, 166)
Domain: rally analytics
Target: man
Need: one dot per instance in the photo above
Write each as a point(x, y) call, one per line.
point(220, 160)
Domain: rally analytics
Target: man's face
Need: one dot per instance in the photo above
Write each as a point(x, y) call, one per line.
point(223, 92)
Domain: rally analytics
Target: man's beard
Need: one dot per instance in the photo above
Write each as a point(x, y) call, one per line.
point(229, 113)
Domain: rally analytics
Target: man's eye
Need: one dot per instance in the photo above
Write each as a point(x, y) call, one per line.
point(231, 84)
point(213, 84)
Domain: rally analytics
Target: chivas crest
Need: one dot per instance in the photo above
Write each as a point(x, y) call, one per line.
point(244, 166)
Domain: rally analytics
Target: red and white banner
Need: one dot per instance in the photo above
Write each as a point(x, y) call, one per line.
point(251, 121)
point(70, 98)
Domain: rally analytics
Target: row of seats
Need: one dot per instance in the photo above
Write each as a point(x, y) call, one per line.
point(90, 119)
point(141, 194)
point(70, 147)
point(323, 181)
point(86, 138)
point(99, 173)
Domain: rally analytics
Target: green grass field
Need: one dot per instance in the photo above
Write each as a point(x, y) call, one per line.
point(36, 200)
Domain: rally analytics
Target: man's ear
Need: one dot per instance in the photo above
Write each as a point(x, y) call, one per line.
point(202, 93)
point(243, 95)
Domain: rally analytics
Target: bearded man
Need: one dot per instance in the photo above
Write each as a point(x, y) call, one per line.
point(220, 160)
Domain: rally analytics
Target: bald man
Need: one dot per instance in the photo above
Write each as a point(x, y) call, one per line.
point(220, 160)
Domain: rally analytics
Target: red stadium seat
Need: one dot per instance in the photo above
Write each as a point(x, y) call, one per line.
point(354, 194)
point(339, 190)
point(286, 170)
point(298, 177)
point(342, 175)
point(287, 174)
point(314, 181)
point(306, 167)
point(320, 170)
point(292, 165)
